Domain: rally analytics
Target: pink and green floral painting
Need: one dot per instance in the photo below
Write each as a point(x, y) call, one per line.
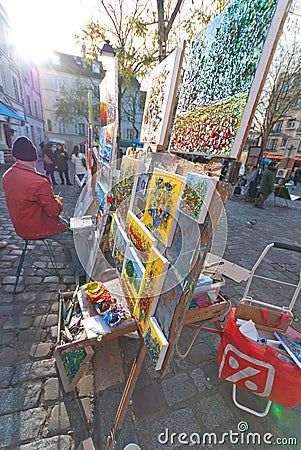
point(219, 76)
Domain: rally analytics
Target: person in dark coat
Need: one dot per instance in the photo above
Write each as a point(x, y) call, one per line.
point(49, 162)
point(297, 176)
point(266, 185)
point(61, 157)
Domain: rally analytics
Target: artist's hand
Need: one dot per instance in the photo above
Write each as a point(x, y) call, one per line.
point(59, 199)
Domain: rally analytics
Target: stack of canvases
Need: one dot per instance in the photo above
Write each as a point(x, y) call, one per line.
point(136, 242)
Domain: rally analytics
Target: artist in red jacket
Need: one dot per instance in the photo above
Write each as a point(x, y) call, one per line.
point(33, 208)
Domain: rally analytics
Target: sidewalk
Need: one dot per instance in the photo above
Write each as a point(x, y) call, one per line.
point(36, 415)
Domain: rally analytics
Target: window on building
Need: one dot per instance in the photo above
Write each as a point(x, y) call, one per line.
point(298, 102)
point(273, 144)
point(49, 125)
point(81, 129)
point(36, 109)
point(16, 88)
point(267, 144)
point(283, 143)
point(278, 126)
point(62, 127)
point(29, 104)
point(129, 134)
point(291, 123)
point(95, 68)
point(58, 85)
point(56, 60)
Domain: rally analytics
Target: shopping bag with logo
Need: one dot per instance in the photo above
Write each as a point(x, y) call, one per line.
point(257, 368)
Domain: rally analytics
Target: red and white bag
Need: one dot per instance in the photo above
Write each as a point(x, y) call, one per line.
point(260, 370)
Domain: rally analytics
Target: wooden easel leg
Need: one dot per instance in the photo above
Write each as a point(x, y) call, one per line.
point(126, 397)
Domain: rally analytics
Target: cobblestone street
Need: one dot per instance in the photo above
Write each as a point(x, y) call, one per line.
point(35, 414)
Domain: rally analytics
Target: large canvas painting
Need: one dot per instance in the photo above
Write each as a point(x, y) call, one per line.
point(156, 343)
point(224, 77)
point(160, 215)
point(140, 236)
point(120, 248)
point(133, 271)
point(155, 272)
point(196, 196)
point(159, 99)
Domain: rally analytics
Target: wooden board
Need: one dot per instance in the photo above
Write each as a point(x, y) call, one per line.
point(71, 364)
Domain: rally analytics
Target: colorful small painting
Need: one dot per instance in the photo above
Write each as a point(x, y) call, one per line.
point(143, 182)
point(161, 205)
point(123, 189)
point(101, 197)
point(151, 287)
point(159, 100)
point(156, 343)
point(196, 196)
point(219, 83)
point(140, 236)
point(72, 364)
point(113, 229)
point(133, 271)
point(121, 245)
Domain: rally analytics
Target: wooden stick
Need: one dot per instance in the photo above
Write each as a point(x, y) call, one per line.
point(126, 396)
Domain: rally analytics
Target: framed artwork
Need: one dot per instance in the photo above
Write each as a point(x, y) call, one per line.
point(143, 182)
point(281, 173)
point(113, 229)
point(101, 197)
point(151, 287)
point(224, 77)
point(160, 215)
point(156, 343)
point(160, 99)
point(120, 248)
point(71, 364)
point(123, 189)
point(196, 196)
point(140, 236)
point(133, 271)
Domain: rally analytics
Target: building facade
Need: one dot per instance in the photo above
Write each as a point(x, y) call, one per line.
point(60, 75)
point(20, 98)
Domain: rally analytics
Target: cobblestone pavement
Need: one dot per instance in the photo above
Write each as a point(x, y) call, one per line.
point(36, 414)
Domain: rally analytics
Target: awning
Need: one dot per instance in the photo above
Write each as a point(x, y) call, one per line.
point(273, 156)
point(7, 112)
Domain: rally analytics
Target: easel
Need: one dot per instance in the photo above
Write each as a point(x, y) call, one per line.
point(286, 164)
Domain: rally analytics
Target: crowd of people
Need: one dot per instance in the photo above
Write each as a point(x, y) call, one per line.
point(55, 159)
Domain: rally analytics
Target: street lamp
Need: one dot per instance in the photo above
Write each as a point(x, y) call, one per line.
point(107, 50)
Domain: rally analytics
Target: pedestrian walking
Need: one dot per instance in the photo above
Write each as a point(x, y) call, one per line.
point(34, 209)
point(61, 157)
point(297, 176)
point(49, 162)
point(79, 161)
point(266, 185)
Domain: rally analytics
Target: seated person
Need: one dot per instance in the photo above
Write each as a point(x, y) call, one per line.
point(33, 207)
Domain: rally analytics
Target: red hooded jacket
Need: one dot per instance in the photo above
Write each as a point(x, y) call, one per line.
point(33, 208)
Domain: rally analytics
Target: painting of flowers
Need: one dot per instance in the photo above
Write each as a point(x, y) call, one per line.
point(155, 272)
point(221, 82)
point(113, 229)
point(156, 343)
point(159, 99)
point(161, 205)
point(196, 196)
point(121, 245)
point(123, 189)
point(133, 271)
point(140, 236)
